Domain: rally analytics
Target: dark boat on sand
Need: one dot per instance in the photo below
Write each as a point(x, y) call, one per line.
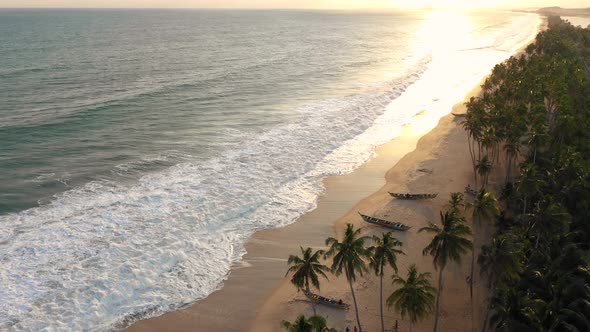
point(413, 196)
point(398, 226)
point(326, 301)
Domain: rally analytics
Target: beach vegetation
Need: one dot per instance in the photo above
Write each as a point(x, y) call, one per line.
point(415, 296)
point(310, 324)
point(536, 106)
point(307, 269)
point(449, 243)
point(348, 257)
point(382, 254)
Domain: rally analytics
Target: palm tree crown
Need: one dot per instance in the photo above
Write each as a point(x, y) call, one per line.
point(415, 297)
point(349, 254)
point(448, 242)
point(307, 269)
point(384, 253)
point(311, 324)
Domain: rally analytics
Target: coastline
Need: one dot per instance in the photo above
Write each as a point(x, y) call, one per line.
point(256, 290)
point(256, 296)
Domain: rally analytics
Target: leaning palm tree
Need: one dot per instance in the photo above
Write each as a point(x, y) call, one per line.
point(348, 256)
point(311, 324)
point(307, 269)
point(415, 297)
point(384, 253)
point(448, 244)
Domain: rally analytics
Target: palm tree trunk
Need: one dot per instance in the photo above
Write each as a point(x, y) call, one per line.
point(381, 301)
point(356, 310)
point(485, 321)
point(437, 305)
point(471, 289)
point(308, 291)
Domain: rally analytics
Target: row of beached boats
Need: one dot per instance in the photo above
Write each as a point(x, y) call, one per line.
point(398, 226)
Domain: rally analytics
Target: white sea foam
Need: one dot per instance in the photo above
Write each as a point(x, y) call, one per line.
point(106, 253)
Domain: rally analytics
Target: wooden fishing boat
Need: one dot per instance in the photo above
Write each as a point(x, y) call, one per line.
point(459, 115)
point(326, 301)
point(412, 196)
point(398, 226)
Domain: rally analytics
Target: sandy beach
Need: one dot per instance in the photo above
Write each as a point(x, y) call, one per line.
point(429, 156)
point(256, 294)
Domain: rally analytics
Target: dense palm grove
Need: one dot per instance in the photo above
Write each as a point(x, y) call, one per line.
point(534, 115)
point(530, 132)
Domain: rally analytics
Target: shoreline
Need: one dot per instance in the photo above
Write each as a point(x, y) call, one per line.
point(438, 162)
point(257, 287)
point(257, 297)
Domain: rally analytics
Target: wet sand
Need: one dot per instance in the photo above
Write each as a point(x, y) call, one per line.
point(256, 294)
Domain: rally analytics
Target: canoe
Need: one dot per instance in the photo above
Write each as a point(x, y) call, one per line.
point(412, 196)
point(394, 225)
point(326, 301)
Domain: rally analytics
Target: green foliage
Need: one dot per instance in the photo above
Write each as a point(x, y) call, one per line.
point(349, 256)
point(311, 324)
point(307, 269)
point(384, 253)
point(537, 108)
point(415, 296)
point(449, 241)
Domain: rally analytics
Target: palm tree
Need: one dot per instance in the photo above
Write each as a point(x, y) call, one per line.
point(384, 253)
point(456, 201)
point(307, 269)
point(484, 168)
point(512, 148)
point(484, 208)
point(311, 324)
point(349, 257)
point(415, 297)
point(448, 244)
point(500, 261)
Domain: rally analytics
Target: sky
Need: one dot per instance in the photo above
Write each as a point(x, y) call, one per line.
point(325, 4)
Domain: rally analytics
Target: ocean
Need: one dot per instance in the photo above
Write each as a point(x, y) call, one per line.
point(139, 149)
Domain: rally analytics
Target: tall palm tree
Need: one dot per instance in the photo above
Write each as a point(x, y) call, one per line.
point(307, 269)
point(484, 168)
point(415, 297)
point(512, 148)
point(485, 208)
point(448, 244)
point(311, 324)
point(500, 261)
point(384, 253)
point(348, 256)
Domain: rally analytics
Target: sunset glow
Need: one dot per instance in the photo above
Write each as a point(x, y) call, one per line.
point(301, 4)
